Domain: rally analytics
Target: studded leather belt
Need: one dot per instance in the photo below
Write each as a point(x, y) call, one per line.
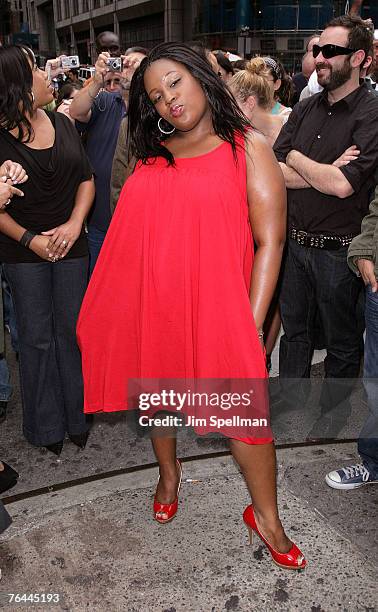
point(320, 241)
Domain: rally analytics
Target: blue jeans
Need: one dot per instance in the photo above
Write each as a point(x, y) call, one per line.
point(9, 315)
point(368, 440)
point(47, 299)
point(96, 238)
point(320, 282)
point(5, 386)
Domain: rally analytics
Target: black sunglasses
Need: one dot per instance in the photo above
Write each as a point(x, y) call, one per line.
point(329, 51)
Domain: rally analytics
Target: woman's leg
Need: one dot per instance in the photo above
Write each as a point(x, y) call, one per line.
point(164, 445)
point(43, 416)
point(258, 465)
point(68, 288)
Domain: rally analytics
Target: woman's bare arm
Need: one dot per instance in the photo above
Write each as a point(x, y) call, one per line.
point(11, 228)
point(267, 210)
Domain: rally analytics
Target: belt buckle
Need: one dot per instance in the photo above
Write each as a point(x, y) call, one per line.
point(332, 243)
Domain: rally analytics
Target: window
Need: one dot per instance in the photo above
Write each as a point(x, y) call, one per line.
point(75, 7)
point(295, 44)
point(58, 6)
point(66, 9)
point(142, 32)
point(268, 45)
point(33, 17)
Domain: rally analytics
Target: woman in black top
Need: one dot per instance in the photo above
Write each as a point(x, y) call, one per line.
point(44, 250)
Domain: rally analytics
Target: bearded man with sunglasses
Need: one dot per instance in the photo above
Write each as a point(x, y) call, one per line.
point(328, 152)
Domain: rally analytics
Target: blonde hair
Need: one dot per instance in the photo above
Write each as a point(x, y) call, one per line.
point(253, 81)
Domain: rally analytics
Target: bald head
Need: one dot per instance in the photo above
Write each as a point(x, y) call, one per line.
point(108, 41)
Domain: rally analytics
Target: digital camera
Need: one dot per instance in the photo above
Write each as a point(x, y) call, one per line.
point(70, 61)
point(114, 64)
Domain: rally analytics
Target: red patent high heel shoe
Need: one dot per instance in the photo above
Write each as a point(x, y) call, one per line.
point(293, 559)
point(163, 513)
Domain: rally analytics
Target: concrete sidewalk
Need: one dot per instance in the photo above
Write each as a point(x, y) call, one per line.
point(97, 546)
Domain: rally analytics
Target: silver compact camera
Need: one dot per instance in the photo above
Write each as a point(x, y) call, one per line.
point(114, 64)
point(70, 61)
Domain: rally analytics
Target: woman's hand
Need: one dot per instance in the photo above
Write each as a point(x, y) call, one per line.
point(13, 171)
point(39, 246)
point(7, 191)
point(64, 108)
point(53, 67)
point(260, 334)
point(62, 238)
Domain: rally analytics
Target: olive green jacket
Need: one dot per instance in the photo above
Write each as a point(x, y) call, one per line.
point(365, 245)
point(119, 168)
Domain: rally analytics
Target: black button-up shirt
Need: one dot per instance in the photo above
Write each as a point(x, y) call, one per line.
point(323, 132)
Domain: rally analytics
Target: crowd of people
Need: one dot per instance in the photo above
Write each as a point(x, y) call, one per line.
point(207, 203)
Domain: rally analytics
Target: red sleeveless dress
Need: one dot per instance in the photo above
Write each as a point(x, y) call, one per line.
point(169, 296)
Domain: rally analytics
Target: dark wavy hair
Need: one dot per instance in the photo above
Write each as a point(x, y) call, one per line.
point(16, 82)
point(65, 93)
point(286, 91)
point(224, 62)
point(145, 138)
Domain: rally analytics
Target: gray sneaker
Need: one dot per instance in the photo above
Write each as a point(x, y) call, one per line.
point(350, 477)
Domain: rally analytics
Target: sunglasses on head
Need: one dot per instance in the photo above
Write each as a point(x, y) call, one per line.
point(329, 51)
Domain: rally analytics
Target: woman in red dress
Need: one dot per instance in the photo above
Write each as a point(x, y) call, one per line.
point(174, 294)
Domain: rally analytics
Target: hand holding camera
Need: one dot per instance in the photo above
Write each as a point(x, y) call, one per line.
point(60, 65)
point(101, 67)
point(53, 68)
point(105, 64)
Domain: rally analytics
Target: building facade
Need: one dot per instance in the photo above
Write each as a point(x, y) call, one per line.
point(248, 27)
point(10, 19)
point(71, 26)
point(270, 27)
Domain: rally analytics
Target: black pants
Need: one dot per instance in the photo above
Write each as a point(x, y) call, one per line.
point(320, 281)
point(47, 299)
point(5, 519)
